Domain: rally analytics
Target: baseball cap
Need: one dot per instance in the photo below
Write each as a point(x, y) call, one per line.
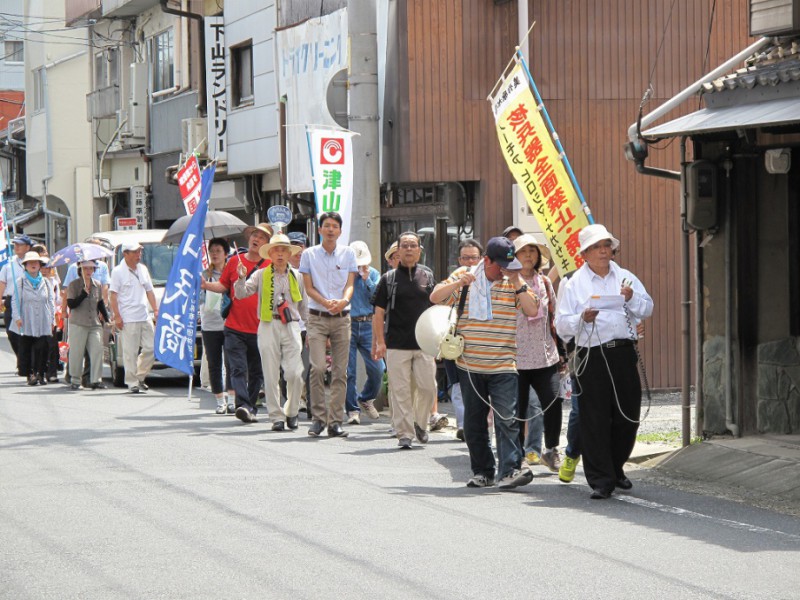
point(363, 256)
point(131, 246)
point(298, 238)
point(501, 250)
point(22, 239)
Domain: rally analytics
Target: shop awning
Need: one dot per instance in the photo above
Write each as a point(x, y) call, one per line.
point(770, 113)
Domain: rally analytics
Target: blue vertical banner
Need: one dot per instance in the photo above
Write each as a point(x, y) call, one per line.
point(176, 327)
point(5, 244)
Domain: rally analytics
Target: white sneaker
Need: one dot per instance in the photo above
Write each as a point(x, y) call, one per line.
point(480, 481)
point(368, 406)
point(354, 418)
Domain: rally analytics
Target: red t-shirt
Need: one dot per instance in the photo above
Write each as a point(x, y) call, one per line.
point(244, 313)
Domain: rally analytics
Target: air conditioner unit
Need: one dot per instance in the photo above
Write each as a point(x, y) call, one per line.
point(137, 103)
point(523, 215)
point(194, 136)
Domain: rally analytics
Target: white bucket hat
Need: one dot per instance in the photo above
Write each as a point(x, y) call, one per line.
point(591, 234)
point(363, 256)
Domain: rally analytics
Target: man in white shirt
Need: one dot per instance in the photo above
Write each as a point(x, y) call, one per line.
point(611, 393)
point(329, 271)
point(131, 291)
point(10, 273)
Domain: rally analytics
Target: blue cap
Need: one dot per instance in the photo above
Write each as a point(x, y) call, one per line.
point(298, 237)
point(22, 239)
point(501, 251)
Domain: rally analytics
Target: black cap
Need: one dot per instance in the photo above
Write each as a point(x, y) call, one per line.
point(501, 251)
point(507, 231)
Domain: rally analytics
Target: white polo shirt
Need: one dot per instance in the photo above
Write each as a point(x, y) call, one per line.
point(131, 287)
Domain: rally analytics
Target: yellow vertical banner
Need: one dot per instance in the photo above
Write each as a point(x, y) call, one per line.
point(536, 165)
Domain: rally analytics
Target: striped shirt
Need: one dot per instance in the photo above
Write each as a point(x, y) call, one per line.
point(489, 346)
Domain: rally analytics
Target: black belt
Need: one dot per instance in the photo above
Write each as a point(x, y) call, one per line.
point(319, 313)
point(361, 319)
point(613, 344)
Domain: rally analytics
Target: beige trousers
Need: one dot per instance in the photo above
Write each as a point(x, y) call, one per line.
point(318, 331)
point(279, 345)
point(410, 406)
point(137, 364)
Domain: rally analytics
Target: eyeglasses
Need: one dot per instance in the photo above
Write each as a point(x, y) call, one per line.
point(466, 258)
point(409, 246)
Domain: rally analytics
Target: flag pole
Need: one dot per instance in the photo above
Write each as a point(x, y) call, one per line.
point(9, 252)
point(561, 152)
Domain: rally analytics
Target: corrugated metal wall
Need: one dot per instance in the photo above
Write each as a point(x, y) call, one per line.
point(592, 62)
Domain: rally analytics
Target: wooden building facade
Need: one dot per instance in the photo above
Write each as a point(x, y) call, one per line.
point(592, 62)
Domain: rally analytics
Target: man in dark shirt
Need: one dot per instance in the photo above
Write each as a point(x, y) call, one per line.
point(402, 296)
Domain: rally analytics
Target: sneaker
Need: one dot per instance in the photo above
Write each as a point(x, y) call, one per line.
point(438, 421)
point(516, 478)
point(368, 406)
point(354, 418)
point(404, 443)
point(279, 426)
point(99, 386)
point(460, 435)
point(134, 389)
point(480, 481)
point(221, 409)
point(422, 435)
point(74, 387)
point(551, 459)
point(231, 409)
point(567, 471)
point(316, 429)
point(144, 387)
point(532, 458)
point(244, 415)
point(32, 380)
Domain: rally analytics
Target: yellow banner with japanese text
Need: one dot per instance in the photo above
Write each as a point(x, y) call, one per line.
point(536, 165)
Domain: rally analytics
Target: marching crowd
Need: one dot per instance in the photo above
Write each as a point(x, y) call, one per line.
point(278, 318)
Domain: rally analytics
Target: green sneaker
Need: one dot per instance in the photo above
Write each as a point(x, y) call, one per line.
point(567, 471)
point(532, 458)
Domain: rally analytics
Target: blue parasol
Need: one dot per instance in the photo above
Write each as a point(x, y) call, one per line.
point(77, 253)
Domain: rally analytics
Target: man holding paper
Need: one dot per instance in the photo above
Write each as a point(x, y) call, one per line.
point(600, 307)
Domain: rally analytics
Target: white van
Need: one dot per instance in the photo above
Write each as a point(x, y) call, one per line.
point(158, 257)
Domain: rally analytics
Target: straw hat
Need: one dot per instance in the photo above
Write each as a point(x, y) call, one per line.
point(392, 249)
point(530, 240)
point(278, 240)
point(262, 227)
point(31, 256)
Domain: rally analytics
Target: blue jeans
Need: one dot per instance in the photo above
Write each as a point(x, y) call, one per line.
point(502, 389)
point(361, 342)
point(573, 449)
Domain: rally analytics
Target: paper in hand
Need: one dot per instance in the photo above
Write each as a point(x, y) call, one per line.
point(614, 302)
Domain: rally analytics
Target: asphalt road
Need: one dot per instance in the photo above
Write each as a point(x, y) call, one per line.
point(112, 495)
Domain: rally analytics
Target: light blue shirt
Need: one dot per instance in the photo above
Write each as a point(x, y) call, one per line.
point(363, 291)
point(100, 273)
point(329, 271)
point(609, 324)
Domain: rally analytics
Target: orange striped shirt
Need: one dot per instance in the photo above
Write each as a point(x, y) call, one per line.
point(489, 346)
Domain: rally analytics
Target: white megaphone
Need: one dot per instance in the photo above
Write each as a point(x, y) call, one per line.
point(432, 327)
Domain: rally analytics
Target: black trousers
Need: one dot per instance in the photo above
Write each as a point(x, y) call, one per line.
point(607, 435)
point(244, 360)
point(52, 356)
point(213, 343)
point(32, 356)
point(545, 382)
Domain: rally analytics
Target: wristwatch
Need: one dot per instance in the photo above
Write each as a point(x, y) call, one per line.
point(523, 289)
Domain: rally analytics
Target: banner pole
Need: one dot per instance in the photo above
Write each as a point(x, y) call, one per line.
point(10, 255)
point(191, 381)
point(556, 140)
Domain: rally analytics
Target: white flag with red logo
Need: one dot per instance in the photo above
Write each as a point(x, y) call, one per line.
point(332, 172)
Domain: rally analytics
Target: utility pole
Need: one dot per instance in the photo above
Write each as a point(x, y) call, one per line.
point(363, 119)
